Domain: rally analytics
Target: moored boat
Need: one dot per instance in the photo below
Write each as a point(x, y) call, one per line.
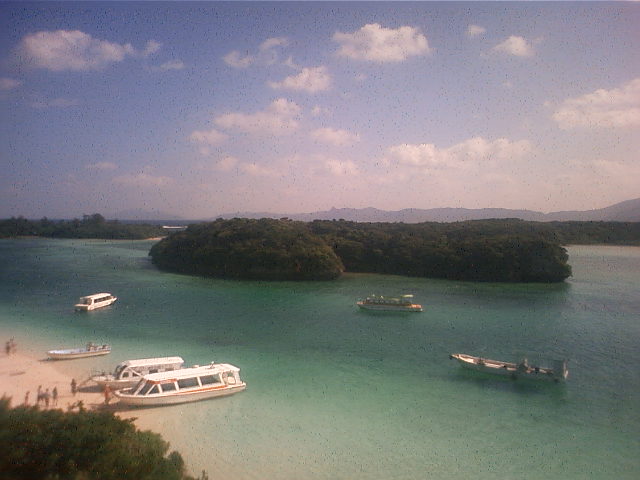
point(522, 369)
point(403, 303)
point(130, 372)
point(97, 300)
point(90, 350)
point(184, 385)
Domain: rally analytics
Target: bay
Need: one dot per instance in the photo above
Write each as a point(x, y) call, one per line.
point(334, 392)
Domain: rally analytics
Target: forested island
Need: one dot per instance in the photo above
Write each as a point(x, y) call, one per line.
point(501, 250)
point(487, 250)
point(91, 226)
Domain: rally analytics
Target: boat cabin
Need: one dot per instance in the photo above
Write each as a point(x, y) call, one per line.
point(145, 366)
point(188, 379)
point(97, 300)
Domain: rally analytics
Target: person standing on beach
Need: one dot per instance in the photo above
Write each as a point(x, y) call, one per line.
point(107, 395)
point(46, 395)
point(54, 396)
point(74, 387)
point(26, 398)
point(39, 395)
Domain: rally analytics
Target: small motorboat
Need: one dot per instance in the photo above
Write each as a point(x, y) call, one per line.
point(90, 350)
point(514, 370)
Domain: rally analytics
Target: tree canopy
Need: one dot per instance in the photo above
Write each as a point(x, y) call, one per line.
point(81, 445)
point(91, 226)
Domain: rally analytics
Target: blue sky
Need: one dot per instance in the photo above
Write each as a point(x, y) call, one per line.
point(199, 109)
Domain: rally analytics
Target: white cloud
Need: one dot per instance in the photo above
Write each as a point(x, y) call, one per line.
point(7, 83)
point(619, 107)
point(256, 170)
point(317, 110)
point(208, 137)
point(342, 168)
point(55, 103)
point(271, 43)
point(472, 153)
point(516, 46)
point(102, 166)
point(475, 30)
point(311, 80)
point(151, 48)
point(75, 50)
point(235, 59)
point(334, 136)
point(378, 44)
point(267, 54)
point(142, 180)
point(170, 65)
point(226, 164)
point(279, 118)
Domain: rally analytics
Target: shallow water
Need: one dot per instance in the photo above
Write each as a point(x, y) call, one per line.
point(334, 392)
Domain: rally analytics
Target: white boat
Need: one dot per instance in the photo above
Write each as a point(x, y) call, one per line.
point(130, 372)
point(184, 385)
point(514, 370)
point(91, 350)
point(97, 300)
point(403, 303)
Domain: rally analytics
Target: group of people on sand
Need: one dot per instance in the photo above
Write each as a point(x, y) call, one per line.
point(48, 398)
point(45, 397)
point(11, 346)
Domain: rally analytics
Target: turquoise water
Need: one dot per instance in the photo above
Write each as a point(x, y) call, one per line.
point(336, 393)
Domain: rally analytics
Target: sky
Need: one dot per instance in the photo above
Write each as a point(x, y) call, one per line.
point(200, 109)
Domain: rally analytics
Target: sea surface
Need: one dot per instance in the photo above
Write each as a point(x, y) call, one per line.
point(338, 393)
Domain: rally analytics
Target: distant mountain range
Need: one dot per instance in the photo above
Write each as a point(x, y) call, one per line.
point(628, 211)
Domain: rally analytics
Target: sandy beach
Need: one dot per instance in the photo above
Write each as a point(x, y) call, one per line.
point(22, 372)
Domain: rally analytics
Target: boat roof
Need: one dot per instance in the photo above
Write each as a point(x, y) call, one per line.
point(194, 371)
point(95, 295)
point(143, 362)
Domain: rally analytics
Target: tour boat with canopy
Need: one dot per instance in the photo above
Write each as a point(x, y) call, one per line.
point(184, 385)
point(97, 300)
point(129, 373)
point(403, 303)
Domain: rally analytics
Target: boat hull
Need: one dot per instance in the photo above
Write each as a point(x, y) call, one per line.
point(86, 308)
point(69, 355)
point(389, 308)
point(508, 369)
point(179, 397)
point(113, 383)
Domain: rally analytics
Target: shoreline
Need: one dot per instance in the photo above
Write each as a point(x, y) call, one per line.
point(26, 369)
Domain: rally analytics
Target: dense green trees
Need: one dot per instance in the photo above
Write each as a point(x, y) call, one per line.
point(288, 250)
point(81, 445)
point(91, 226)
point(251, 249)
point(481, 251)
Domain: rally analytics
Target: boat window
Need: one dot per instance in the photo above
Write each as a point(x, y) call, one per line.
point(125, 375)
point(188, 382)
point(168, 387)
point(153, 370)
point(209, 379)
point(145, 389)
point(155, 389)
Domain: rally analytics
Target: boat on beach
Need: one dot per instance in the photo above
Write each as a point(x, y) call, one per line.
point(403, 303)
point(92, 302)
point(130, 372)
point(559, 372)
point(184, 385)
point(90, 350)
